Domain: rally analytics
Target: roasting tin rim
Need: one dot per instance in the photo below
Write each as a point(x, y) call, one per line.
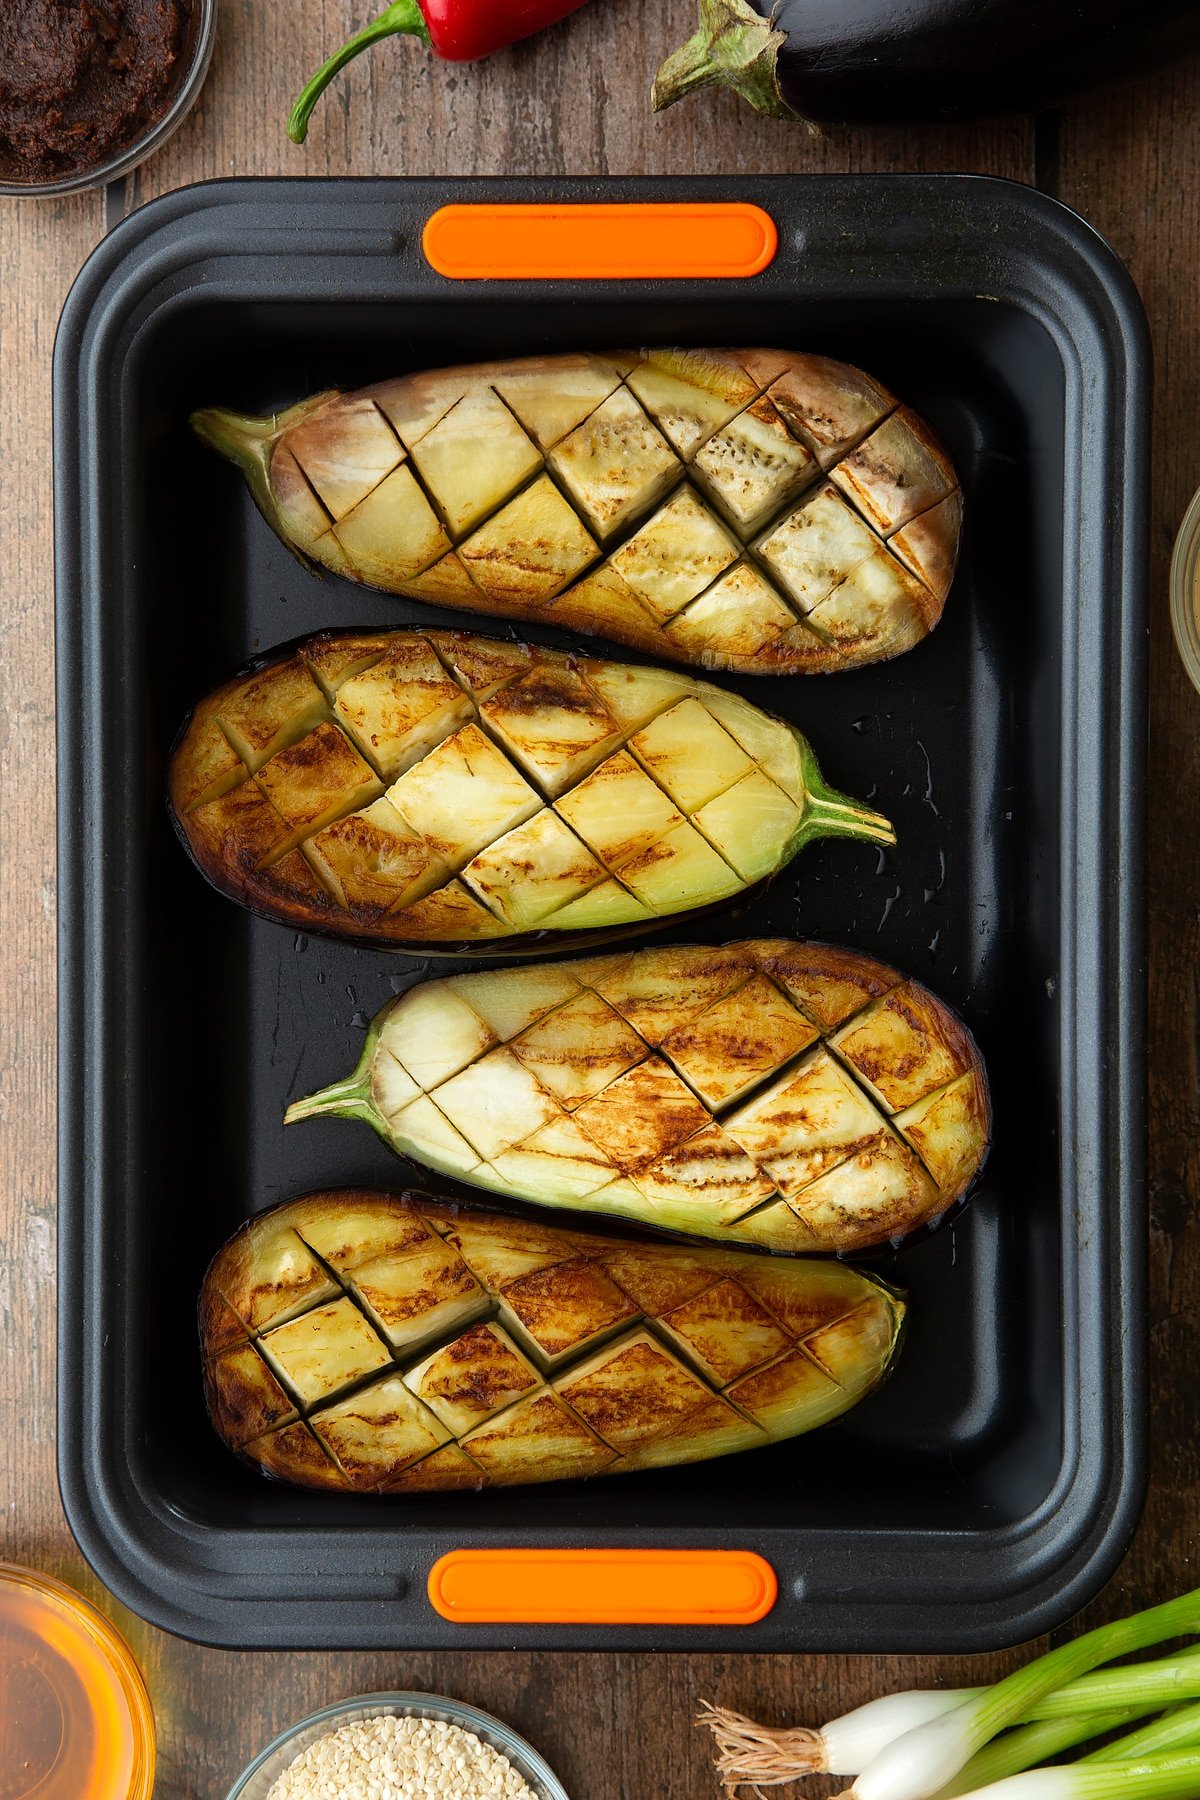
point(989, 239)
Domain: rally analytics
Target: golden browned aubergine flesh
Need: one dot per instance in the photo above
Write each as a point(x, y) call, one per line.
point(754, 510)
point(381, 1344)
point(784, 1095)
point(433, 788)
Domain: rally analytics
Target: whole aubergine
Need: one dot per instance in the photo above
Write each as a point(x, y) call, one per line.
point(755, 510)
point(832, 62)
point(437, 789)
point(784, 1095)
point(401, 1344)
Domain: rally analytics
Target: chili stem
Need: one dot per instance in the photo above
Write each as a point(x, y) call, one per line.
point(403, 18)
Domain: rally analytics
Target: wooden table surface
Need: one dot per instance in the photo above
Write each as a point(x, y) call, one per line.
point(574, 102)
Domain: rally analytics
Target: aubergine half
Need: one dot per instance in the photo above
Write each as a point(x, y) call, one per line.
point(785, 1095)
point(401, 1344)
point(431, 788)
point(755, 510)
point(838, 62)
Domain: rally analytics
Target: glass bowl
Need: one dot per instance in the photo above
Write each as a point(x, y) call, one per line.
point(198, 53)
point(1185, 592)
point(256, 1782)
point(76, 1717)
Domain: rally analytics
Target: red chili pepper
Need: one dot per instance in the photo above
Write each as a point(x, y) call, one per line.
point(458, 30)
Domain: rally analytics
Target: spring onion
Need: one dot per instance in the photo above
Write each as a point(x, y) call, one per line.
point(1174, 1729)
point(1028, 1746)
point(1146, 1686)
point(1150, 1778)
point(1058, 1722)
point(842, 1747)
point(978, 1739)
point(927, 1758)
point(760, 1756)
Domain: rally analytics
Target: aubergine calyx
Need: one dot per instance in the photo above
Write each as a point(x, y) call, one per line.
point(735, 47)
point(249, 443)
point(827, 813)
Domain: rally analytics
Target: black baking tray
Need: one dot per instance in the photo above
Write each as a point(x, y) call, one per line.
point(991, 1487)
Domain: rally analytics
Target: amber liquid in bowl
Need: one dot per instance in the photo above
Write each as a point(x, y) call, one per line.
point(75, 1723)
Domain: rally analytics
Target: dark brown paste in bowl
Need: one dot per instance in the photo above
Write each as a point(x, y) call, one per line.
point(80, 80)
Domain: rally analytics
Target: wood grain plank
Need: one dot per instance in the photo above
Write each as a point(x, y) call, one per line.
point(574, 101)
point(42, 244)
point(1129, 163)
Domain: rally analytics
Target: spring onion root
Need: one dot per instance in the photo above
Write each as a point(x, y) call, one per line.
point(926, 1759)
point(759, 1753)
point(771, 1756)
point(751, 1754)
point(993, 1741)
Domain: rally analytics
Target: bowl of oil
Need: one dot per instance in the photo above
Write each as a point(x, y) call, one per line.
point(75, 1718)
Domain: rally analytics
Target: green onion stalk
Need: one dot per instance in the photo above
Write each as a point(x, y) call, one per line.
point(925, 1760)
point(1167, 1777)
point(1049, 1707)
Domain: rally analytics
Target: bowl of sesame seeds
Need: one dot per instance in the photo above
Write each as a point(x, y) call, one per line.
point(399, 1747)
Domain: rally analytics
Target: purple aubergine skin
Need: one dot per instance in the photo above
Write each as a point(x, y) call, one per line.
point(865, 61)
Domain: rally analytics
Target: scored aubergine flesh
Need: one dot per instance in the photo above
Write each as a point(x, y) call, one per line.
point(438, 788)
point(385, 1344)
point(754, 510)
point(774, 1093)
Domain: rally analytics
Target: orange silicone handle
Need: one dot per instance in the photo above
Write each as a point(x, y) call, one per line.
point(602, 1587)
point(693, 241)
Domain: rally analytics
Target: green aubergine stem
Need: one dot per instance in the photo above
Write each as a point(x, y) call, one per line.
point(830, 814)
point(248, 443)
point(403, 18)
point(735, 47)
point(351, 1097)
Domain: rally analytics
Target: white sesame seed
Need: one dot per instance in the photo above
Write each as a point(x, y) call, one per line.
point(386, 1757)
